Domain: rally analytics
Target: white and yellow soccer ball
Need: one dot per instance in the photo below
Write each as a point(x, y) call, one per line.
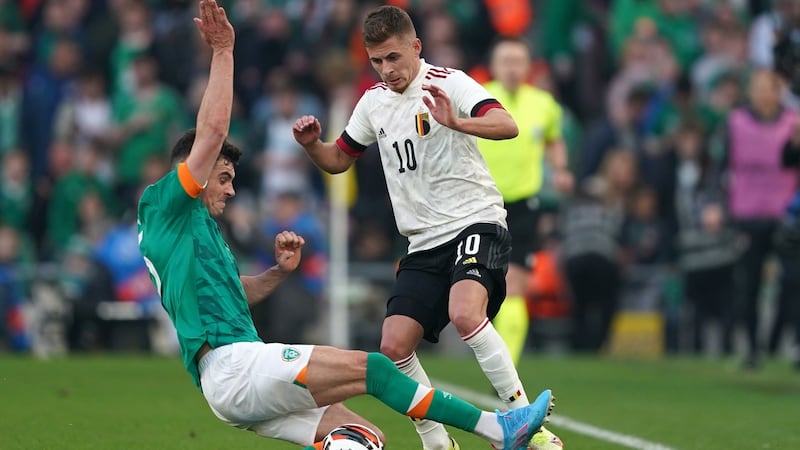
point(545, 440)
point(352, 436)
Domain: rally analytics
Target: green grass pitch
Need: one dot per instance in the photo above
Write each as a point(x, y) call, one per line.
point(141, 402)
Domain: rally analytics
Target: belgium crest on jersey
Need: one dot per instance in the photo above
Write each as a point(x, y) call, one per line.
point(423, 124)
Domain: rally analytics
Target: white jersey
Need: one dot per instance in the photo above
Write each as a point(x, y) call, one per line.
point(437, 179)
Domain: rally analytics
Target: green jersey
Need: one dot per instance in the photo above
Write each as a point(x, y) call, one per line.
point(192, 268)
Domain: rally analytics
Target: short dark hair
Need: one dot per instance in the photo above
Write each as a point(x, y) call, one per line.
point(184, 144)
point(385, 22)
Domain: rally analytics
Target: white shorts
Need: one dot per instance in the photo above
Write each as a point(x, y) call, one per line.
point(261, 387)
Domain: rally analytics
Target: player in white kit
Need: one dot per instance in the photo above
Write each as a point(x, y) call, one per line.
point(425, 120)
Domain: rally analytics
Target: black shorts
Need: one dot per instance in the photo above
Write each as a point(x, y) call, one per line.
point(422, 288)
point(523, 224)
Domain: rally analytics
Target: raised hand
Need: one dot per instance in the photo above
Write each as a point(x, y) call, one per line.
point(306, 130)
point(440, 106)
point(288, 247)
point(214, 26)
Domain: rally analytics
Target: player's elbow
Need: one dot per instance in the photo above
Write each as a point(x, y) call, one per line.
point(504, 126)
point(506, 130)
point(336, 164)
point(336, 168)
point(512, 130)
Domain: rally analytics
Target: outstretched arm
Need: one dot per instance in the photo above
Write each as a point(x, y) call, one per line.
point(214, 115)
point(326, 155)
point(288, 247)
point(496, 124)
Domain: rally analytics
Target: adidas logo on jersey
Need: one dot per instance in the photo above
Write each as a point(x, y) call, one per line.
point(471, 260)
point(474, 273)
point(381, 134)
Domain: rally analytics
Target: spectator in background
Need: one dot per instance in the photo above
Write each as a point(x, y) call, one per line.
point(134, 37)
point(591, 226)
point(16, 191)
point(332, 26)
point(84, 119)
point(10, 110)
point(288, 313)
point(591, 66)
point(45, 87)
point(760, 189)
point(83, 283)
point(707, 245)
point(60, 20)
point(788, 246)
point(69, 192)
point(371, 243)
point(116, 251)
point(442, 41)
point(673, 20)
point(623, 130)
point(725, 49)
point(646, 251)
point(146, 121)
point(14, 38)
point(765, 31)
point(372, 230)
point(284, 165)
point(650, 63)
point(726, 94)
point(264, 45)
point(94, 219)
point(13, 291)
point(176, 47)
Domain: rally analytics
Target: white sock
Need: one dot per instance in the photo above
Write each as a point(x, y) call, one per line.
point(433, 434)
point(488, 428)
point(495, 361)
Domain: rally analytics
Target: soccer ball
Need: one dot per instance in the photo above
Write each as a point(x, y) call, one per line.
point(352, 436)
point(545, 440)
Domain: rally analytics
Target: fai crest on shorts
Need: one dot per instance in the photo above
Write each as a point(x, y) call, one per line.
point(289, 354)
point(423, 124)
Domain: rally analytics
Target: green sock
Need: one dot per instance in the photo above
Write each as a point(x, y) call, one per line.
point(408, 397)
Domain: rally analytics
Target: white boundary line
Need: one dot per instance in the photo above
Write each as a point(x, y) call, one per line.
point(573, 425)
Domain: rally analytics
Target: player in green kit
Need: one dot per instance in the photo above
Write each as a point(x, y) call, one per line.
point(281, 391)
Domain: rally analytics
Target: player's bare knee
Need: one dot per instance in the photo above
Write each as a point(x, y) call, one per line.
point(395, 350)
point(465, 320)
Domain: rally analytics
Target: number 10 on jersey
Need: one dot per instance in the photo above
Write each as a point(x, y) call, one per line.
point(410, 161)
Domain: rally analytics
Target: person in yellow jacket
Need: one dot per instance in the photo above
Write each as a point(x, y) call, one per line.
point(517, 166)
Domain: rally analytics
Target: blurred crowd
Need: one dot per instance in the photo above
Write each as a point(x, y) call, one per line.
point(674, 113)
